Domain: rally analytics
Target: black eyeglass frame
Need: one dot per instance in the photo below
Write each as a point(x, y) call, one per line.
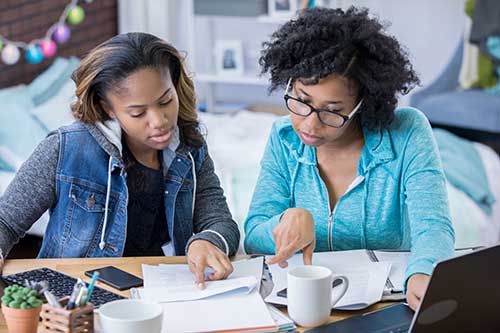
point(312, 109)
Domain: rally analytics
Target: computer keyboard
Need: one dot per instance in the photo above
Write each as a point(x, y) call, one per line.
point(61, 285)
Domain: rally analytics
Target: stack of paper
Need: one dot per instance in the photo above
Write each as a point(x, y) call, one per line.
point(366, 279)
point(399, 261)
point(283, 322)
point(223, 306)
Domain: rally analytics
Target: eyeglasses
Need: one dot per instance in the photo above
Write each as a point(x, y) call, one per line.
point(327, 117)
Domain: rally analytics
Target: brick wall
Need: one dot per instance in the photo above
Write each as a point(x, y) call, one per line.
point(25, 20)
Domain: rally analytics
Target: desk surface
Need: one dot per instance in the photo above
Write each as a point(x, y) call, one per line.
point(77, 267)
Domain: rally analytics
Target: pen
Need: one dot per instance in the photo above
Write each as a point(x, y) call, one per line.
point(91, 286)
point(74, 294)
point(78, 300)
point(51, 299)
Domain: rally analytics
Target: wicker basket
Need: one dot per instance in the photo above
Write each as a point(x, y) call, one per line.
point(78, 320)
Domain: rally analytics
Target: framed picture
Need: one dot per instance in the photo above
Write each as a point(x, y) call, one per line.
point(281, 7)
point(229, 57)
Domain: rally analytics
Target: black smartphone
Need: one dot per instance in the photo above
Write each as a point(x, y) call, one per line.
point(116, 278)
point(282, 292)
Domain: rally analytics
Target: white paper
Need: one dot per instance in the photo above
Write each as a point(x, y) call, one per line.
point(219, 313)
point(399, 261)
point(172, 283)
point(366, 279)
point(190, 291)
point(281, 320)
point(231, 310)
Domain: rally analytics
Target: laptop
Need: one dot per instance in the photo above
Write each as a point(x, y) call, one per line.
point(463, 296)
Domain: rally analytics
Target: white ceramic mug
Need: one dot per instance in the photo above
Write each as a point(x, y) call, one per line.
point(131, 316)
point(309, 294)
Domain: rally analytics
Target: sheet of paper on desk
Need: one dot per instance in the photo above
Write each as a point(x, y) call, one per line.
point(229, 311)
point(399, 261)
point(174, 275)
point(283, 322)
point(366, 280)
point(190, 291)
point(171, 283)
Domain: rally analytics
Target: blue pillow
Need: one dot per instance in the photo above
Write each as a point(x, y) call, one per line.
point(56, 112)
point(48, 83)
point(19, 131)
point(4, 166)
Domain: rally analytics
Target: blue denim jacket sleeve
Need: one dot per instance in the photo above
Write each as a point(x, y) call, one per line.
point(270, 199)
point(432, 234)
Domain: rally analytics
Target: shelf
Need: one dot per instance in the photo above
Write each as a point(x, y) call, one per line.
point(216, 78)
point(260, 18)
point(273, 19)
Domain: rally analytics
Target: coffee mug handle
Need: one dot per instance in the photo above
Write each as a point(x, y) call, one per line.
point(344, 286)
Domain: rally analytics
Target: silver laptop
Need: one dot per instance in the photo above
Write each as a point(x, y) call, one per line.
point(463, 296)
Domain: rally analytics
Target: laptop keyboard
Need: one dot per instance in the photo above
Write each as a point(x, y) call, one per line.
point(61, 285)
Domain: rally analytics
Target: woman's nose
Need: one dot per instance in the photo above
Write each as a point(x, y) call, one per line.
point(158, 119)
point(312, 120)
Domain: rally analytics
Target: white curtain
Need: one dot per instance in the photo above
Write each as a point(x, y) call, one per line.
point(153, 16)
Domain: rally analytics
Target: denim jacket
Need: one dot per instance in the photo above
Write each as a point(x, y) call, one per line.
point(88, 210)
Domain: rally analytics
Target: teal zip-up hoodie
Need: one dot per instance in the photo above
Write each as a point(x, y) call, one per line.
point(397, 201)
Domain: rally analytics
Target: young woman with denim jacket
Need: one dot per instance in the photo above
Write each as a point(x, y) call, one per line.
point(347, 170)
point(132, 176)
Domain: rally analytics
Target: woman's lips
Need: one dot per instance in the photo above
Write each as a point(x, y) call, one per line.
point(309, 139)
point(162, 138)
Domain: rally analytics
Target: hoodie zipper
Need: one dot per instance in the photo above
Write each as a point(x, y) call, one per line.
point(330, 227)
point(358, 180)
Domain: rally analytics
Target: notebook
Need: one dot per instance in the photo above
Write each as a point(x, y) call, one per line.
point(358, 266)
point(399, 261)
point(366, 281)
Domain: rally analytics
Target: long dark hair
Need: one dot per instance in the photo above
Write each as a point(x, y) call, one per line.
point(108, 64)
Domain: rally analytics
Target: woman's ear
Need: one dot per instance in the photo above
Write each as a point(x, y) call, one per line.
point(108, 109)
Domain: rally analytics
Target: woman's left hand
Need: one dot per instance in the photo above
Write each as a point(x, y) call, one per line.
point(202, 254)
point(416, 289)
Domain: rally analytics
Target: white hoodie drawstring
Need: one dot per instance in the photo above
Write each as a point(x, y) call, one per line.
point(108, 193)
point(102, 243)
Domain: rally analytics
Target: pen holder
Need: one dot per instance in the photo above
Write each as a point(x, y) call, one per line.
point(78, 320)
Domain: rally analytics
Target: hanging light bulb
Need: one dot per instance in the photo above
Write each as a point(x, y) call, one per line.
point(34, 54)
point(48, 48)
point(76, 15)
point(61, 34)
point(10, 54)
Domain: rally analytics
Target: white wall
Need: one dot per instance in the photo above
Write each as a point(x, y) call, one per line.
point(430, 30)
point(152, 16)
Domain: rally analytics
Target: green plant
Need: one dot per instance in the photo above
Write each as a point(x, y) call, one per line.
point(18, 297)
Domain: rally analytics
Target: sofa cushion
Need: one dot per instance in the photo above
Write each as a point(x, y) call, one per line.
point(474, 109)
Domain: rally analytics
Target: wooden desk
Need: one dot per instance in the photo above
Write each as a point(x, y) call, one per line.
point(77, 267)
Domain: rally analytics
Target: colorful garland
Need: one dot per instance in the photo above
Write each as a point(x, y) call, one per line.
point(45, 47)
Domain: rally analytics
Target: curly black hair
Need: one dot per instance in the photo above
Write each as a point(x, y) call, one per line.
point(322, 41)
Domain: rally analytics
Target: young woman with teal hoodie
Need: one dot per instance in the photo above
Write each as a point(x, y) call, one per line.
point(346, 169)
